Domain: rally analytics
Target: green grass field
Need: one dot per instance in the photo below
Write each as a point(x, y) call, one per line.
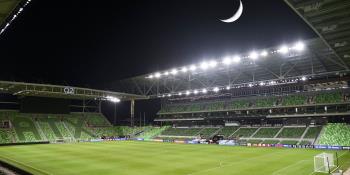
point(151, 158)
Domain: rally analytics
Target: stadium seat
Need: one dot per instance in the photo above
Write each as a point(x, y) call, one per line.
point(96, 119)
point(227, 131)
point(266, 102)
point(181, 131)
point(207, 132)
point(289, 142)
point(337, 134)
point(266, 132)
point(291, 132)
point(244, 132)
point(330, 97)
point(47, 131)
point(293, 100)
point(239, 104)
point(253, 141)
point(25, 129)
point(152, 132)
point(305, 142)
point(270, 141)
point(313, 132)
point(6, 136)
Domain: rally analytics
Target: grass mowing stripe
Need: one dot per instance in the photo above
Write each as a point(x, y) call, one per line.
point(23, 166)
point(292, 165)
point(152, 158)
point(244, 160)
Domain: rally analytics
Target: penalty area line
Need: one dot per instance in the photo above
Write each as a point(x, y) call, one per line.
point(221, 165)
point(282, 169)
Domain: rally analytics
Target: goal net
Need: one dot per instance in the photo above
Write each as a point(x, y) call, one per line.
point(324, 162)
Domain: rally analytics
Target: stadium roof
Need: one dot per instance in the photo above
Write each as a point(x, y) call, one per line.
point(7, 7)
point(57, 91)
point(330, 19)
point(317, 60)
point(326, 56)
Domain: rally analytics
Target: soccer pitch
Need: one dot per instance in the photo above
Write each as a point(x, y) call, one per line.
point(151, 158)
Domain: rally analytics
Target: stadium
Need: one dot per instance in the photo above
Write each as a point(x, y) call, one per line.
point(279, 110)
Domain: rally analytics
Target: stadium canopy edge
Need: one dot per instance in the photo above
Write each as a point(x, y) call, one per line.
point(329, 20)
point(66, 92)
point(8, 7)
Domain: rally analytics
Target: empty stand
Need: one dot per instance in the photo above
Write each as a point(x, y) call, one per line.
point(298, 99)
point(292, 132)
point(266, 132)
point(337, 134)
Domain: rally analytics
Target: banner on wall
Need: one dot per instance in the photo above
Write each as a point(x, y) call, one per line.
point(233, 143)
point(346, 147)
point(179, 141)
point(227, 142)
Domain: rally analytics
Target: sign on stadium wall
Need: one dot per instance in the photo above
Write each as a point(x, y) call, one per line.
point(179, 141)
point(233, 143)
point(346, 147)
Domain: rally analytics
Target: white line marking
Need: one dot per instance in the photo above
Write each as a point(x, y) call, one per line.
point(296, 163)
point(230, 164)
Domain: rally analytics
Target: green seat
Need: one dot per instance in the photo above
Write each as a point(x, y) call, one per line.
point(337, 134)
point(293, 100)
point(291, 132)
point(266, 132)
point(244, 132)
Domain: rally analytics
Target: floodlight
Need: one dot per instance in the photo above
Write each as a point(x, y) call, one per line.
point(204, 65)
point(195, 91)
point(113, 99)
point(174, 72)
point(299, 46)
point(236, 59)
point(228, 87)
point(213, 63)
point(193, 67)
point(250, 85)
point(216, 89)
point(169, 95)
point(283, 49)
point(264, 53)
point(303, 78)
point(184, 69)
point(157, 75)
point(151, 76)
point(227, 60)
point(166, 73)
point(180, 93)
point(261, 83)
point(188, 92)
point(116, 100)
point(204, 91)
point(253, 55)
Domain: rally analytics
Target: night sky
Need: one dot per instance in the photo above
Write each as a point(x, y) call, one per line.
point(93, 43)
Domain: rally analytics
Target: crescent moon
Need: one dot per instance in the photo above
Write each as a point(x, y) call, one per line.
point(236, 15)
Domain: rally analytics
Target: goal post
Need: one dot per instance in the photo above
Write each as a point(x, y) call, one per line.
point(324, 162)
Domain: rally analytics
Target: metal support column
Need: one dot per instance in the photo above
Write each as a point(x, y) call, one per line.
point(132, 112)
point(100, 106)
point(84, 105)
point(115, 114)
